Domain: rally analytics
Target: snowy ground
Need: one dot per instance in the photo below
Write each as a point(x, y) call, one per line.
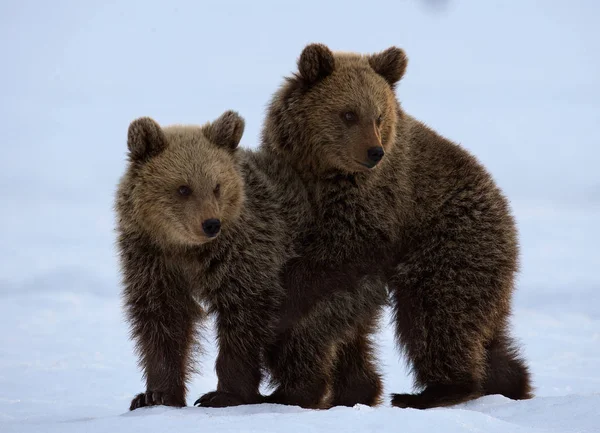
point(516, 82)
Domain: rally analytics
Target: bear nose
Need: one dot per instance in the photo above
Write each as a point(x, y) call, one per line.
point(375, 154)
point(211, 227)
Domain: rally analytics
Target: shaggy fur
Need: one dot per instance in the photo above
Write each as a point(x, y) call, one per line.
point(178, 179)
point(427, 221)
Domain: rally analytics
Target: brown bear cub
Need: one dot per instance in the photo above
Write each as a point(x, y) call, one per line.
point(199, 223)
point(397, 206)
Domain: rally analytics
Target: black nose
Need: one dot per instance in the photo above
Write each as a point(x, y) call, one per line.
point(211, 227)
point(375, 154)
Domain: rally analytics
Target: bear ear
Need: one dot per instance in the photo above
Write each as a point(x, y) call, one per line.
point(315, 63)
point(226, 131)
point(145, 139)
point(390, 64)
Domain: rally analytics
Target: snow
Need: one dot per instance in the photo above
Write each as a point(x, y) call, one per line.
point(516, 82)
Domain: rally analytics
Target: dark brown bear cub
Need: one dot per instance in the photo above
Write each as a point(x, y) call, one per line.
point(198, 221)
point(395, 203)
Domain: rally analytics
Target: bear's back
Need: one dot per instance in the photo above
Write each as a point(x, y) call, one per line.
point(442, 171)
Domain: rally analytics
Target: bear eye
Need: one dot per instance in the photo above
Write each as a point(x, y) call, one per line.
point(379, 120)
point(217, 190)
point(350, 117)
point(184, 191)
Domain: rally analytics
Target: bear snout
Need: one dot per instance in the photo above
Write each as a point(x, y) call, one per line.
point(374, 155)
point(211, 227)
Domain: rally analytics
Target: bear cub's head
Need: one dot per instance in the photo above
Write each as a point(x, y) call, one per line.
point(183, 184)
point(339, 111)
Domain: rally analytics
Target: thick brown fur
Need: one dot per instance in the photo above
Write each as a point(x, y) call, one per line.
point(177, 179)
point(427, 221)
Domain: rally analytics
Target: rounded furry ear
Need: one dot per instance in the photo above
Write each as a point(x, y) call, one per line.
point(227, 130)
point(145, 139)
point(390, 64)
point(315, 63)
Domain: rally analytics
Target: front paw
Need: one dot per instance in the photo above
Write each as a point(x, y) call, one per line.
point(155, 398)
point(306, 400)
point(219, 399)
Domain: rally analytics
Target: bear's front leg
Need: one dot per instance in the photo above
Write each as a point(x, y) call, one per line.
point(323, 342)
point(239, 372)
point(355, 377)
point(163, 318)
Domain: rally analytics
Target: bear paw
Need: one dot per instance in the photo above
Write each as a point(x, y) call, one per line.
point(219, 399)
point(404, 401)
point(155, 398)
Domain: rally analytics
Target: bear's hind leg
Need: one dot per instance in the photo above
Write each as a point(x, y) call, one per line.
point(506, 372)
point(442, 333)
point(449, 373)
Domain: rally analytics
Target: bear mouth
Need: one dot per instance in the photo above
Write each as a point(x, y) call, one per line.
point(201, 238)
point(204, 239)
point(365, 166)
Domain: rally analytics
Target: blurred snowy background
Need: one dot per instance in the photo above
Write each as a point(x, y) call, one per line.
point(516, 82)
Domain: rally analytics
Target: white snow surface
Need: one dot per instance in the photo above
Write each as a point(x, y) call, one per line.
point(515, 82)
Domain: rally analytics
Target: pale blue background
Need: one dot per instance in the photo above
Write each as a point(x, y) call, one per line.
point(516, 82)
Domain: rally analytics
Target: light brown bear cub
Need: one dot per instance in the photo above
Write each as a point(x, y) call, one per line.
point(198, 221)
point(398, 203)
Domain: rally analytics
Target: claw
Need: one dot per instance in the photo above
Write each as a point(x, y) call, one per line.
point(137, 402)
point(206, 398)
